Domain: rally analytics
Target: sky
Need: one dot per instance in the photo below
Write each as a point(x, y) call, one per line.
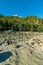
point(21, 7)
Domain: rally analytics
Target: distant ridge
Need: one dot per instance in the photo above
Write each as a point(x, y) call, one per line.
point(18, 23)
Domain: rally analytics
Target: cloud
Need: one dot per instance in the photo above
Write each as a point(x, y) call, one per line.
point(17, 15)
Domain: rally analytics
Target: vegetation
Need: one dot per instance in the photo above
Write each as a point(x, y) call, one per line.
point(16, 23)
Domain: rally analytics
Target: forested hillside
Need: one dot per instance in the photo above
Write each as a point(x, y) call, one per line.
point(16, 23)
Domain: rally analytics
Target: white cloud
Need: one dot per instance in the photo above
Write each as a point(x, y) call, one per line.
point(17, 15)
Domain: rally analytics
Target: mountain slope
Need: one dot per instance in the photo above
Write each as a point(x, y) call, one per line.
point(30, 23)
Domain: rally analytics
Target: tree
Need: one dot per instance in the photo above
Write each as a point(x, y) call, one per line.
point(40, 28)
point(1, 15)
point(35, 27)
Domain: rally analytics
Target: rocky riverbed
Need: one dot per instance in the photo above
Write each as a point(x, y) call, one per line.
point(21, 48)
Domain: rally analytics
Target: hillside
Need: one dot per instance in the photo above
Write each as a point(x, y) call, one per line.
point(29, 23)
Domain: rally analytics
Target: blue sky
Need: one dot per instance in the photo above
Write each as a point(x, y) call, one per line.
point(21, 7)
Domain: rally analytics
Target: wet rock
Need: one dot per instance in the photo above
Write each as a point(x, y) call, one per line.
point(4, 56)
